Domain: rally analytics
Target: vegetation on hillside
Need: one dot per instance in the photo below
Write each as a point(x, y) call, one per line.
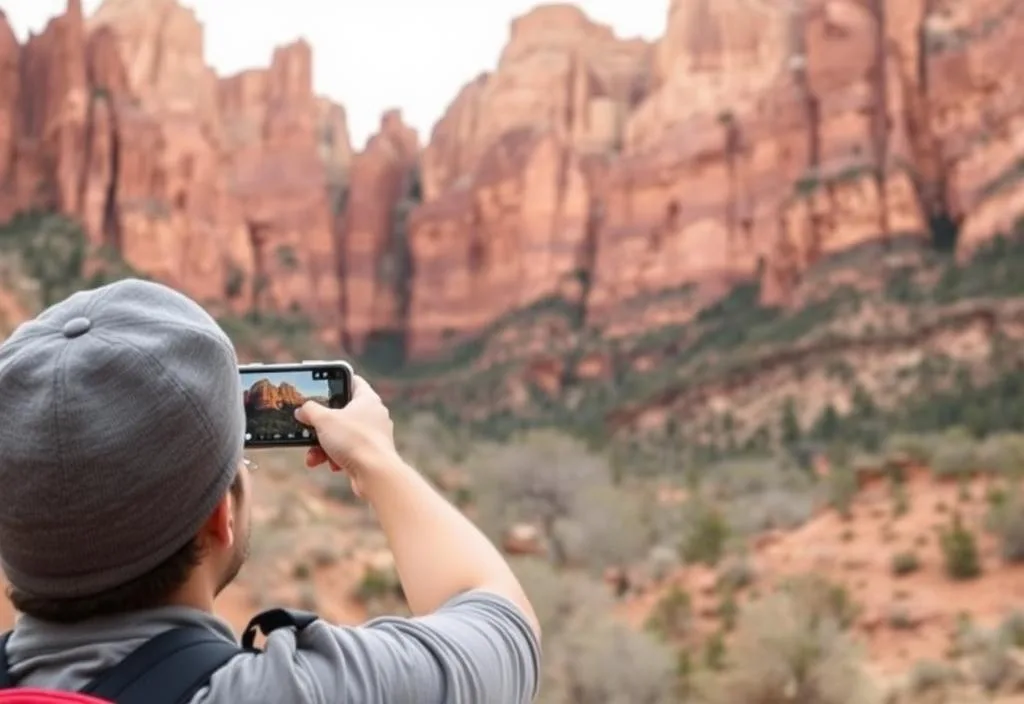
point(905, 294)
point(46, 257)
point(604, 537)
point(487, 383)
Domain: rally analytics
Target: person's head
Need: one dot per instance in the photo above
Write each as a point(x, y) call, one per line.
point(122, 482)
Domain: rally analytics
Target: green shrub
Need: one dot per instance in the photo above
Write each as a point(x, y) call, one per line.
point(842, 488)
point(904, 563)
point(786, 649)
point(822, 598)
point(672, 616)
point(900, 500)
point(714, 651)
point(377, 584)
point(997, 498)
point(916, 448)
point(960, 550)
point(728, 610)
point(301, 571)
point(954, 456)
point(930, 676)
point(1007, 521)
point(1003, 453)
point(900, 618)
point(1011, 630)
point(708, 536)
point(736, 574)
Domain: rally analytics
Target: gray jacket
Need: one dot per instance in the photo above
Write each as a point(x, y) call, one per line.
point(477, 649)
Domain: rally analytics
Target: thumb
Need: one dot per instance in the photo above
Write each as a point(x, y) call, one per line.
point(310, 413)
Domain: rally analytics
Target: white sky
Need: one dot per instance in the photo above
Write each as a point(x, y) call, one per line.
point(371, 55)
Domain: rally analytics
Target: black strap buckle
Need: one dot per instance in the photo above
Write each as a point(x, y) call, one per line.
point(271, 620)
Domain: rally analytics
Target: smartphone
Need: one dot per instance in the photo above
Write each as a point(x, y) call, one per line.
point(272, 392)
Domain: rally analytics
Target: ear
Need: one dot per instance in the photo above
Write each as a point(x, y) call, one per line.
point(219, 528)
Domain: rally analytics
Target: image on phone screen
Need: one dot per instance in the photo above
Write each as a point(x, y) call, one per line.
point(272, 395)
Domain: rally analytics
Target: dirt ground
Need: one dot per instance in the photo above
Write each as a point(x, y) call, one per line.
point(902, 619)
point(310, 549)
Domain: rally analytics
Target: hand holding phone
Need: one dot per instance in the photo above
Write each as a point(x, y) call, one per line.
point(272, 392)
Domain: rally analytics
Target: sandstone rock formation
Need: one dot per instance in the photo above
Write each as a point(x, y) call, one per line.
point(264, 395)
point(374, 263)
point(753, 139)
point(508, 212)
point(224, 187)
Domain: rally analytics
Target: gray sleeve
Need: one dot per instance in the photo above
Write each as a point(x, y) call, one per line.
point(477, 649)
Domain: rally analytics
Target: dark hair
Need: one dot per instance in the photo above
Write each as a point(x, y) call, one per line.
point(148, 591)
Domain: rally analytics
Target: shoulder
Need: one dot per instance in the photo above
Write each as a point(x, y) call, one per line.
point(477, 648)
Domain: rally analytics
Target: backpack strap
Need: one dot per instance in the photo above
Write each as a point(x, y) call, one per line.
point(271, 620)
point(6, 681)
point(173, 666)
point(170, 667)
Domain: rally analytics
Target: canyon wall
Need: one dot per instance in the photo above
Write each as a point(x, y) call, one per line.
point(750, 141)
point(221, 186)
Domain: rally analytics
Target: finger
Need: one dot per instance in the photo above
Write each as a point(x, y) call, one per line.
point(361, 387)
point(310, 413)
point(315, 456)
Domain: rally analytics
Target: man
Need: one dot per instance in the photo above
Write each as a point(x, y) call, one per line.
point(125, 510)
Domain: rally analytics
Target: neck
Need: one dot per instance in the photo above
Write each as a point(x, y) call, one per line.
point(196, 593)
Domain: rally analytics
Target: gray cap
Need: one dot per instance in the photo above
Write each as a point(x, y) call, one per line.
point(122, 427)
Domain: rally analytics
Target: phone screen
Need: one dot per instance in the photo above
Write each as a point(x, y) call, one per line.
point(272, 394)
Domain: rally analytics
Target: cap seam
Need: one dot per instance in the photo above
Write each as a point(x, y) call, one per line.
point(100, 296)
point(58, 389)
point(222, 339)
point(174, 379)
point(60, 393)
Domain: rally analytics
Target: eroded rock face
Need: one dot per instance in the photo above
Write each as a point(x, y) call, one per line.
point(277, 168)
point(163, 49)
point(516, 234)
point(794, 150)
point(374, 263)
point(10, 112)
point(976, 81)
point(264, 395)
point(508, 209)
point(752, 140)
point(755, 139)
point(223, 187)
point(560, 72)
point(716, 55)
point(53, 115)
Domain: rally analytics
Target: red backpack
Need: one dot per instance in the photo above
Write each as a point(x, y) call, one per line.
point(47, 696)
point(167, 669)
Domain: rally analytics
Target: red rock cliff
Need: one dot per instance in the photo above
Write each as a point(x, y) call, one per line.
point(751, 141)
point(375, 265)
point(508, 208)
point(748, 142)
point(224, 187)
